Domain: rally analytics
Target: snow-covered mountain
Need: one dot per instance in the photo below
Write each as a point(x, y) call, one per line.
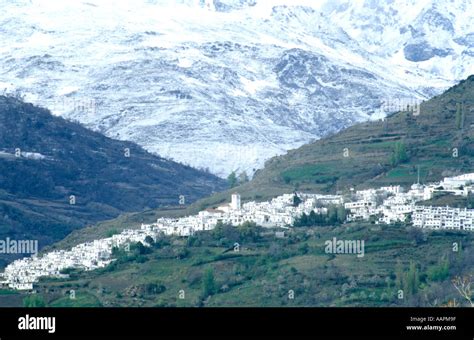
point(226, 84)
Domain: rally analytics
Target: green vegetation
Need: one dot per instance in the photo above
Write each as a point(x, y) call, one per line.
point(79, 300)
point(399, 154)
point(131, 253)
point(228, 234)
point(399, 173)
point(260, 270)
point(306, 172)
point(296, 200)
point(209, 284)
point(440, 271)
point(411, 280)
point(243, 178)
point(112, 232)
point(460, 115)
point(34, 300)
point(232, 180)
point(336, 216)
point(444, 199)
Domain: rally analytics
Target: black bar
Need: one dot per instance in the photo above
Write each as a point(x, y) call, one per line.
point(289, 323)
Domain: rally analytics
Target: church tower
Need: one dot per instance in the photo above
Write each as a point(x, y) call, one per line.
point(235, 202)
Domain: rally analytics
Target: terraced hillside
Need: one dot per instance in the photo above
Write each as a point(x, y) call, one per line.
point(204, 270)
point(438, 139)
point(443, 129)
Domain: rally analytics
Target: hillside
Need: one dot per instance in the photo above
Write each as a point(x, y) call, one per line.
point(57, 159)
point(264, 271)
point(429, 139)
point(267, 268)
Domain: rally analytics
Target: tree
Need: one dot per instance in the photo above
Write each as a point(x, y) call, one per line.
point(149, 240)
point(335, 216)
point(458, 116)
point(399, 154)
point(218, 231)
point(470, 201)
point(402, 153)
point(463, 286)
point(304, 248)
point(243, 178)
point(463, 115)
point(232, 180)
point(296, 200)
point(332, 215)
point(411, 279)
point(312, 218)
point(182, 253)
point(140, 249)
point(248, 231)
point(341, 214)
point(305, 221)
point(416, 234)
point(408, 222)
point(440, 271)
point(209, 284)
point(399, 274)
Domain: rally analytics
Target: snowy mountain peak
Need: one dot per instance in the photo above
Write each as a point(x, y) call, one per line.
point(227, 84)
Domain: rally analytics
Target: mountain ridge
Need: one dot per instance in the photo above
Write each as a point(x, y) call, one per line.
point(251, 80)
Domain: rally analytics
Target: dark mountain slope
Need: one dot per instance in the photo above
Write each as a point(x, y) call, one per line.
point(58, 159)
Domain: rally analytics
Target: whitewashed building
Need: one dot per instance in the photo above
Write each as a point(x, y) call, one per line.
point(443, 218)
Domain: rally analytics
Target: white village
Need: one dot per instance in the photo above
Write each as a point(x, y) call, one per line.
point(385, 205)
